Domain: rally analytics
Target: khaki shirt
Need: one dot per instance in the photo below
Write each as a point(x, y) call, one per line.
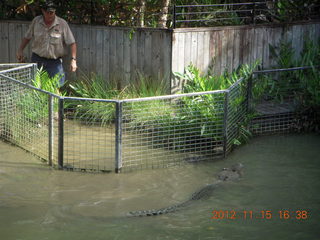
point(50, 42)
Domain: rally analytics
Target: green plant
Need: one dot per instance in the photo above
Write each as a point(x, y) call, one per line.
point(95, 87)
point(209, 107)
point(43, 81)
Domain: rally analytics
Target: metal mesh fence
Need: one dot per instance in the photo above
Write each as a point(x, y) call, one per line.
point(236, 112)
point(106, 135)
point(23, 111)
point(276, 97)
point(170, 130)
point(88, 134)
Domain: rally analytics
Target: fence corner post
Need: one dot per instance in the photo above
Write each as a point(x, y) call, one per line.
point(225, 123)
point(118, 147)
point(60, 133)
point(174, 16)
point(50, 130)
point(249, 92)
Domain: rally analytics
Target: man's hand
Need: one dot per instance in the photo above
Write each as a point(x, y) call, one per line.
point(23, 44)
point(20, 57)
point(73, 65)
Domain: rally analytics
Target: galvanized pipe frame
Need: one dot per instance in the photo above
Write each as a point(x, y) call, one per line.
point(118, 123)
point(252, 12)
point(230, 119)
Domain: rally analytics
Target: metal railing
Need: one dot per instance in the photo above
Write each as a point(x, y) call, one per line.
point(226, 14)
point(200, 15)
point(121, 135)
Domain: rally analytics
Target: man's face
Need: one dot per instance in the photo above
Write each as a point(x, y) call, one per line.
point(48, 15)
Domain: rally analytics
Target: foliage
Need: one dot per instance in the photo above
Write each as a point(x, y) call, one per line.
point(303, 85)
point(207, 107)
point(95, 87)
point(45, 82)
point(150, 13)
point(34, 104)
point(195, 81)
point(288, 10)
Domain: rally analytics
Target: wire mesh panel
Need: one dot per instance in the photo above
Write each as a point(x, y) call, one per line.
point(159, 132)
point(277, 94)
point(24, 112)
point(103, 135)
point(88, 134)
point(236, 113)
point(21, 72)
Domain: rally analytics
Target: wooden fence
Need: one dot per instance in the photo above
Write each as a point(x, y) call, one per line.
point(112, 52)
point(224, 48)
point(120, 53)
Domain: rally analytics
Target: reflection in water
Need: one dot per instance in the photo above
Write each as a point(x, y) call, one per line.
point(281, 173)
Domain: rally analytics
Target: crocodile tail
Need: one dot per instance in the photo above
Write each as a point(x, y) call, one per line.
point(156, 212)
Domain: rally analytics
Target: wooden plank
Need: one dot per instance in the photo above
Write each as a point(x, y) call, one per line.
point(113, 54)
point(98, 56)
point(155, 55)
point(141, 51)
point(126, 58)
point(229, 44)
point(212, 50)
point(180, 52)
point(174, 57)
point(224, 50)
point(147, 53)
point(12, 35)
point(236, 50)
point(187, 48)
point(133, 54)
point(166, 59)
point(118, 73)
point(206, 51)
point(85, 49)
point(200, 51)
point(266, 52)
point(174, 53)
point(162, 49)
point(27, 51)
point(106, 54)
point(259, 45)
point(218, 55)
point(4, 46)
point(194, 48)
point(297, 42)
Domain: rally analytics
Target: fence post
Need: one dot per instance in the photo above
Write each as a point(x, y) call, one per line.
point(254, 13)
point(60, 133)
point(249, 93)
point(34, 71)
point(225, 123)
point(174, 16)
point(50, 129)
point(118, 162)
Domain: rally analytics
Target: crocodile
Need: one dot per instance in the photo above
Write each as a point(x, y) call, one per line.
point(226, 174)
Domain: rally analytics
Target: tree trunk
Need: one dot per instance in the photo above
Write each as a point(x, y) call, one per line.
point(164, 13)
point(142, 8)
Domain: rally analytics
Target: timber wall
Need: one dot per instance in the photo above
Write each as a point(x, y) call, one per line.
point(112, 52)
point(224, 48)
point(120, 53)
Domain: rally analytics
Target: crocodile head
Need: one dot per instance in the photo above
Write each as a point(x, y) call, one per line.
point(231, 174)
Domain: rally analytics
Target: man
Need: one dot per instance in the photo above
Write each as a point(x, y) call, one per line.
point(50, 34)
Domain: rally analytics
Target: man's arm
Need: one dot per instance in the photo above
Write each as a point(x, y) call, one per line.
point(23, 44)
point(73, 64)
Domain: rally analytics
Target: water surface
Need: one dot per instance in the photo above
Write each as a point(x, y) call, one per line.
point(282, 173)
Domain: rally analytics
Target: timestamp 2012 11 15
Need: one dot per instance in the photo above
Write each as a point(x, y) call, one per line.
point(263, 214)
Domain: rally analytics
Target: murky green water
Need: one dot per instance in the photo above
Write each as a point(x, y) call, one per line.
point(281, 173)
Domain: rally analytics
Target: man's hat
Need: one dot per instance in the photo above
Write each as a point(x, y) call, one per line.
point(49, 6)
